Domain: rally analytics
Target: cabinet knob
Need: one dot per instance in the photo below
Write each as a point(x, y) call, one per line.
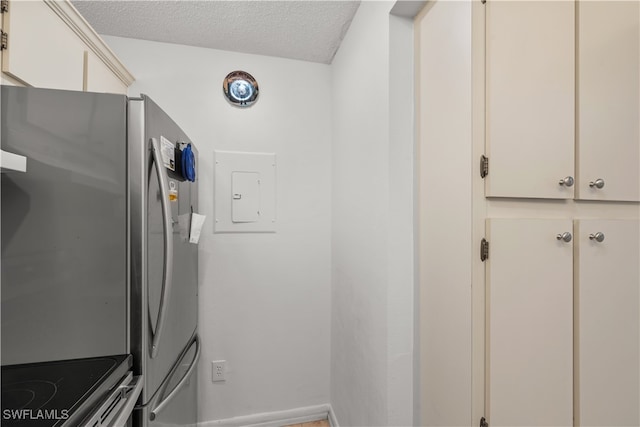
point(567, 181)
point(598, 183)
point(566, 236)
point(598, 237)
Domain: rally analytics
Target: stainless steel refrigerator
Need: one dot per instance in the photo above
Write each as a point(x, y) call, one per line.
point(97, 256)
point(163, 195)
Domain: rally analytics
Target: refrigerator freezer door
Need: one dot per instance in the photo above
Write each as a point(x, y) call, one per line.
point(179, 379)
point(64, 242)
point(176, 402)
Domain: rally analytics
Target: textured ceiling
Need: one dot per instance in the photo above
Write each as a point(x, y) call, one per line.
point(308, 30)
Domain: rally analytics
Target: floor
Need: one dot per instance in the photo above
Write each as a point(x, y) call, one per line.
point(321, 423)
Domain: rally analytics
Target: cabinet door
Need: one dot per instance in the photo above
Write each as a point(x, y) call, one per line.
point(530, 95)
point(607, 332)
point(42, 50)
point(529, 372)
point(608, 95)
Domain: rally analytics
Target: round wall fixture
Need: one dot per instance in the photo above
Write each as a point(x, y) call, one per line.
point(240, 88)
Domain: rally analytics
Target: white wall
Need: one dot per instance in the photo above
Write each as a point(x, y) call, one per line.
point(445, 132)
point(372, 221)
point(264, 298)
point(402, 280)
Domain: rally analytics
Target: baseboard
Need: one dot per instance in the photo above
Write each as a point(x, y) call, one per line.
point(278, 418)
point(332, 418)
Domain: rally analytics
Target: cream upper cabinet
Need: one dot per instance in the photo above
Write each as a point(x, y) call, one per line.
point(100, 78)
point(50, 45)
point(608, 143)
point(607, 323)
point(554, 88)
point(529, 285)
point(41, 52)
point(530, 97)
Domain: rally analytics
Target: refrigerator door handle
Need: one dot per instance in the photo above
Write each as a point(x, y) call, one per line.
point(167, 276)
point(163, 404)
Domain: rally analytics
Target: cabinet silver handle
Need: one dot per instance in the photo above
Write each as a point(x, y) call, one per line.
point(598, 237)
point(566, 236)
point(567, 181)
point(598, 183)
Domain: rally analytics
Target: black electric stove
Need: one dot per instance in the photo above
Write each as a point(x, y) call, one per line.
point(60, 393)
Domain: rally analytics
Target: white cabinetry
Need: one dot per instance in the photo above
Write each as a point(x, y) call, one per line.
point(41, 52)
point(530, 98)
point(542, 320)
point(529, 323)
point(607, 323)
point(50, 45)
point(100, 78)
point(554, 69)
point(555, 335)
point(608, 146)
point(550, 68)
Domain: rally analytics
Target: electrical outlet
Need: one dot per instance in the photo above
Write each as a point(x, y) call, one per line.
point(219, 370)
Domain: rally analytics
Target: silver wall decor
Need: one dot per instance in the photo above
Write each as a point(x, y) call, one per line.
point(240, 88)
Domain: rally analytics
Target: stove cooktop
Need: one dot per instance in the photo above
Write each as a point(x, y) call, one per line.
point(60, 393)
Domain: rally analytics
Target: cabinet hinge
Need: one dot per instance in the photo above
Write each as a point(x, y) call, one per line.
point(484, 166)
point(483, 422)
point(4, 6)
point(4, 40)
point(484, 249)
